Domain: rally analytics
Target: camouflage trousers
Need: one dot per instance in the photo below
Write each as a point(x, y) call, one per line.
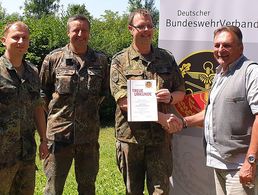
point(18, 179)
point(58, 164)
point(139, 161)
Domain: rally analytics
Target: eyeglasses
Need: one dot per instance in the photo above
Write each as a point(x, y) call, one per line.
point(143, 27)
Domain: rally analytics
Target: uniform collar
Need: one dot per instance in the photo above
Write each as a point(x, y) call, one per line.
point(9, 65)
point(90, 54)
point(133, 54)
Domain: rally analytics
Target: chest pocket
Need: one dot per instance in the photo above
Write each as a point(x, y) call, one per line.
point(164, 72)
point(8, 92)
point(66, 81)
point(32, 85)
point(95, 79)
point(134, 74)
point(29, 93)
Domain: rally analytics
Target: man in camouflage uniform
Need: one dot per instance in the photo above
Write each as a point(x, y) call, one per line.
point(20, 104)
point(74, 81)
point(143, 148)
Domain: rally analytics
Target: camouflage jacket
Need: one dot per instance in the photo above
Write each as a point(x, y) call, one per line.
point(18, 99)
point(159, 66)
point(74, 89)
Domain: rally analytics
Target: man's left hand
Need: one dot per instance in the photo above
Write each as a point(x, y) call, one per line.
point(247, 173)
point(43, 150)
point(163, 95)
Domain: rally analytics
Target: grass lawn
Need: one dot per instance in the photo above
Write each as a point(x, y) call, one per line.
point(109, 179)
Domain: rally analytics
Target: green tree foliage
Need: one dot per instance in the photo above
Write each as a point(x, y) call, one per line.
point(2, 12)
point(134, 4)
point(146, 4)
point(75, 9)
point(109, 34)
point(149, 5)
point(5, 18)
point(40, 8)
point(47, 34)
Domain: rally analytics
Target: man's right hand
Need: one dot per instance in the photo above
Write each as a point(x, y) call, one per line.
point(170, 122)
point(175, 124)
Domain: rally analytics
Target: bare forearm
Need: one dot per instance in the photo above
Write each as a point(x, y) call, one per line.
point(195, 120)
point(177, 96)
point(248, 170)
point(253, 147)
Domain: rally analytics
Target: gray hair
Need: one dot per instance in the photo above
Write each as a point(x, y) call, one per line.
point(233, 29)
point(77, 17)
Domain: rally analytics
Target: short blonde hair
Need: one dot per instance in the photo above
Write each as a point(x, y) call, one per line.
point(17, 23)
point(140, 11)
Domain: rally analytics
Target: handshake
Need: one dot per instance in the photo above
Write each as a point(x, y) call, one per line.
point(171, 123)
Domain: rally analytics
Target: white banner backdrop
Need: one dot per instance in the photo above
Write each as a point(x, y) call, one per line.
point(186, 29)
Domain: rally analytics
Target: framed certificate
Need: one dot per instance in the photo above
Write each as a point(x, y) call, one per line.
point(141, 100)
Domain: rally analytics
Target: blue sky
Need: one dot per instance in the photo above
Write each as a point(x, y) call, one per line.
point(95, 7)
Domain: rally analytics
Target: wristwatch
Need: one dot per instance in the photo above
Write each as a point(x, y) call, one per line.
point(251, 159)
